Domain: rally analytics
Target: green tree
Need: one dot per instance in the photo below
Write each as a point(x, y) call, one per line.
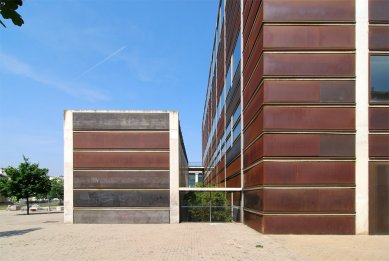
point(8, 11)
point(28, 180)
point(56, 190)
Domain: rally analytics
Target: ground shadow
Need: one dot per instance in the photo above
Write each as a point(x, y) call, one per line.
point(17, 232)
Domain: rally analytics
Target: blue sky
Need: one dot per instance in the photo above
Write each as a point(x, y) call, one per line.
point(111, 55)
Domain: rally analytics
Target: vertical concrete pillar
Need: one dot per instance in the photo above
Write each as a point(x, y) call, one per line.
point(362, 118)
point(68, 167)
point(174, 155)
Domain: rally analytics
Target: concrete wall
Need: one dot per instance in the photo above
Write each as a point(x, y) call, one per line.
point(119, 167)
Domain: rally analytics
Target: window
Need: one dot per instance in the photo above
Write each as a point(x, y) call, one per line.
point(237, 131)
point(228, 80)
point(236, 56)
point(379, 79)
point(236, 115)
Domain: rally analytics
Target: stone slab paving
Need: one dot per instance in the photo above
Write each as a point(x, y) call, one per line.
point(45, 237)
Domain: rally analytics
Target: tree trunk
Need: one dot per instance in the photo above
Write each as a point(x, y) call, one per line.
point(28, 207)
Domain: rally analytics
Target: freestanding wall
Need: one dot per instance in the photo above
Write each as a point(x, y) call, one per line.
point(122, 166)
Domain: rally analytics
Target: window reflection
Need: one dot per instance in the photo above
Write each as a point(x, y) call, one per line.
point(379, 79)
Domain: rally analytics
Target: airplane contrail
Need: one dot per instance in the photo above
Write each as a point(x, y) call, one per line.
point(103, 61)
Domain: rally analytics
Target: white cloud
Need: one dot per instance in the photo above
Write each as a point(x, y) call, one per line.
point(13, 65)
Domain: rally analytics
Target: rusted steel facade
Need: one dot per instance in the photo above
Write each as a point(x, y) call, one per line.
point(121, 166)
point(280, 114)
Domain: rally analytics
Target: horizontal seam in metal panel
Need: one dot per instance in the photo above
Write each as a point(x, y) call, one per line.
point(385, 132)
point(307, 52)
point(121, 131)
point(341, 132)
point(310, 22)
point(122, 150)
point(379, 52)
point(379, 106)
point(279, 187)
point(377, 159)
point(319, 78)
point(379, 24)
point(296, 213)
point(302, 159)
point(279, 23)
point(129, 189)
point(122, 209)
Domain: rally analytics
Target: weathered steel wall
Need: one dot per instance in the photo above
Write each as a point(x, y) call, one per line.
point(121, 167)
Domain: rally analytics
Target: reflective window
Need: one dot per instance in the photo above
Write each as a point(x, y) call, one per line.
point(228, 80)
point(236, 114)
point(379, 79)
point(236, 56)
point(236, 131)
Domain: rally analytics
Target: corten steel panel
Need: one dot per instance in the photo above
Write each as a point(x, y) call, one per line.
point(312, 10)
point(234, 167)
point(121, 216)
point(120, 121)
point(379, 118)
point(309, 200)
point(253, 153)
point(232, 25)
point(234, 182)
point(337, 145)
point(308, 118)
point(120, 179)
point(319, 225)
point(379, 37)
point(304, 37)
point(301, 174)
point(302, 64)
point(251, 13)
point(233, 152)
point(319, 91)
point(255, 221)
point(254, 130)
point(121, 198)
point(117, 160)
point(121, 140)
point(253, 107)
point(251, 59)
point(254, 176)
point(253, 37)
point(379, 198)
point(251, 80)
point(379, 10)
point(309, 145)
point(220, 126)
point(232, 101)
point(379, 145)
point(253, 199)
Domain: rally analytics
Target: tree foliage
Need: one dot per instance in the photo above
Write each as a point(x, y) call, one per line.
point(56, 190)
point(203, 204)
point(25, 181)
point(8, 11)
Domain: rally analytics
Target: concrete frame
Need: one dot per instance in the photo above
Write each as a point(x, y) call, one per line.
point(174, 168)
point(68, 167)
point(362, 117)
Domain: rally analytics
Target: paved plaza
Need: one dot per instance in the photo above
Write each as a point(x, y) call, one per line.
point(45, 237)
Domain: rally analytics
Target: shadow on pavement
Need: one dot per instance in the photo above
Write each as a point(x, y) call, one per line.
point(17, 232)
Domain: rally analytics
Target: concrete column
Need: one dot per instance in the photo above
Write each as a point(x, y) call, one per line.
point(68, 167)
point(174, 168)
point(362, 118)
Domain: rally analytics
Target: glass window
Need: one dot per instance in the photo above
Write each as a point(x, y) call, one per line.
point(379, 78)
point(228, 142)
point(236, 56)
point(236, 131)
point(236, 114)
point(228, 129)
point(228, 80)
